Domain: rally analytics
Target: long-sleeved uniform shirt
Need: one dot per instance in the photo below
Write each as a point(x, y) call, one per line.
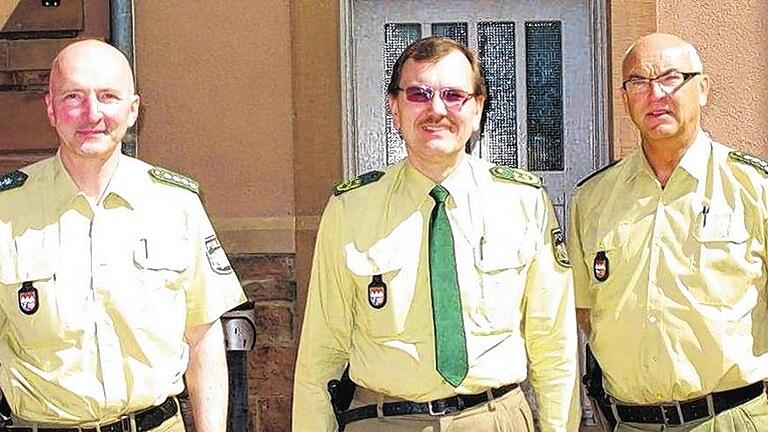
point(516, 298)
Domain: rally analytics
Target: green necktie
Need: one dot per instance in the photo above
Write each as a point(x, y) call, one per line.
point(450, 346)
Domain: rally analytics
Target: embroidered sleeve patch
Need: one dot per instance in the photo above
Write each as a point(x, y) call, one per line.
point(560, 249)
point(217, 258)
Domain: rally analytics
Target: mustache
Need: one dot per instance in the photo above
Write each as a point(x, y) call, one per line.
point(435, 120)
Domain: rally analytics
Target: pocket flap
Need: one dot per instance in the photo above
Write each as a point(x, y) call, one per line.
point(371, 262)
point(501, 251)
point(162, 253)
point(720, 227)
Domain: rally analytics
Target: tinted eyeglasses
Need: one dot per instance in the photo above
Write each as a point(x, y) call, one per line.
point(453, 98)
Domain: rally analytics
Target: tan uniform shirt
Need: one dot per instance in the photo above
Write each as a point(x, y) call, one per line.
point(95, 299)
point(517, 300)
point(682, 311)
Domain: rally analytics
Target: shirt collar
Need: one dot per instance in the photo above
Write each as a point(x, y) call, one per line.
point(695, 159)
point(418, 186)
point(62, 189)
point(121, 190)
point(415, 184)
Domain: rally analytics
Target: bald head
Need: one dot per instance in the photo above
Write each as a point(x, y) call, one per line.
point(662, 49)
point(91, 101)
point(90, 56)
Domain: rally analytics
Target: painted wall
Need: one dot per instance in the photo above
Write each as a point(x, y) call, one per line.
point(217, 95)
point(732, 39)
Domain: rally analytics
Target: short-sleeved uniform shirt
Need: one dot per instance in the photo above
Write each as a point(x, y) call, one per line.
point(675, 278)
point(516, 299)
point(95, 298)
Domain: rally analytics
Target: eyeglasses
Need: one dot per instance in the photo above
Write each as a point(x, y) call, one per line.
point(453, 98)
point(668, 82)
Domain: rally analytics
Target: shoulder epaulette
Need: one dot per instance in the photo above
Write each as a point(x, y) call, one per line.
point(516, 175)
point(12, 180)
point(175, 179)
point(748, 159)
point(361, 180)
point(587, 178)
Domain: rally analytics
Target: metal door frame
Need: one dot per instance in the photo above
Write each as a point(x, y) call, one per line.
point(601, 95)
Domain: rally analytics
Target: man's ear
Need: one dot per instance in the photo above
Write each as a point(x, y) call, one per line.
point(478, 117)
point(48, 99)
point(394, 110)
point(134, 113)
point(703, 90)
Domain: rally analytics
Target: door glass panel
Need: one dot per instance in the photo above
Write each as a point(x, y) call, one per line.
point(456, 31)
point(397, 36)
point(544, 82)
point(496, 48)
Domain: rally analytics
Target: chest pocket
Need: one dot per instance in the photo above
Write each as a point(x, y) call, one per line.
point(722, 255)
point(607, 257)
point(502, 260)
point(388, 320)
point(161, 259)
point(38, 314)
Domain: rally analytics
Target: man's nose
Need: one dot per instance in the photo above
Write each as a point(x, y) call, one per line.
point(657, 90)
point(92, 108)
point(437, 104)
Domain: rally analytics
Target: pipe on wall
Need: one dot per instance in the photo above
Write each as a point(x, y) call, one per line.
point(121, 37)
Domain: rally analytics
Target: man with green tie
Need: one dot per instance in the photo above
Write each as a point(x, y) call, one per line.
point(441, 281)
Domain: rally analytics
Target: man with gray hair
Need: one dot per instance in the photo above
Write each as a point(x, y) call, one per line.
point(669, 249)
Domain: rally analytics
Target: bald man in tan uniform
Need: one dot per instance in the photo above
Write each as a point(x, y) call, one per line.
point(112, 280)
point(669, 249)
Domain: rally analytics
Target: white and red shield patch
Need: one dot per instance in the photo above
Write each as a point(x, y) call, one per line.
point(28, 298)
point(377, 292)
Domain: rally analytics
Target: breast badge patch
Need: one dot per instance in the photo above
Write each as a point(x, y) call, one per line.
point(217, 258)
point(561, 250)
point(601, 267)
point(377, 292)
point(29, 300)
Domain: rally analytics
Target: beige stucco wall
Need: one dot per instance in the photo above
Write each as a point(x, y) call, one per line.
point(732, 38)
point(215, 81)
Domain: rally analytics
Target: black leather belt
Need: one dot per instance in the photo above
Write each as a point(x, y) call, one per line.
point(437, 407)
point(147, 419)
point(679, 413)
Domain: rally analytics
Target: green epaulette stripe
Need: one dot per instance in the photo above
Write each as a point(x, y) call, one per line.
point(12, 180)
point(589, 177)
point(749, 160)
point(516, 175)
point(361, 180)
point(175, 179)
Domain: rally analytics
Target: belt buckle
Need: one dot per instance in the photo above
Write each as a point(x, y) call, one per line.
point(680, 418)
point(125, 423)
point(443, 408)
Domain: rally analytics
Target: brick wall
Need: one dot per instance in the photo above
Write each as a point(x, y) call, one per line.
point(269, 280)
